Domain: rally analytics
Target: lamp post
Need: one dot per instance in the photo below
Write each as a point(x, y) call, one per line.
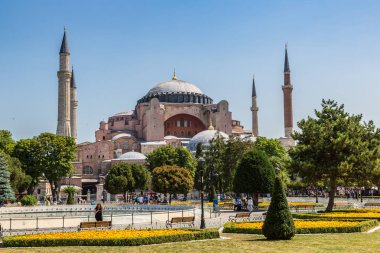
point(201, 161)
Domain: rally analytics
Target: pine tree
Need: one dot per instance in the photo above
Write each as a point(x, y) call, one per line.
point(6, 192)
point(278, 224)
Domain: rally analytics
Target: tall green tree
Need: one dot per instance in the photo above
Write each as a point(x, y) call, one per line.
point(141, 176)
point(19, 180)
point(172, 180)
point(168, 155)
point(6, 142)
point(124, 177)
point(6, 191)
point(335, 147)
point(255, 174)
point(29, 152)
point(221, 162)
point(57, 155)
point(120, 179)
point(233, 153)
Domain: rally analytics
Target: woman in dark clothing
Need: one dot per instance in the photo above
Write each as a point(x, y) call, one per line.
point(99, 212)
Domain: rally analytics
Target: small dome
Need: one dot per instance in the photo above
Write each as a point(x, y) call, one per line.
point(120, 136)
point(205, 137)
point(132, 156)
point(170, 137)
point(174, 86)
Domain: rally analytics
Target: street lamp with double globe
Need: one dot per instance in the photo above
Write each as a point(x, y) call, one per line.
point(201, 161)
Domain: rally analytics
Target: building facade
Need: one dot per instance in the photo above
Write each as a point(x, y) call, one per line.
point(170, 113)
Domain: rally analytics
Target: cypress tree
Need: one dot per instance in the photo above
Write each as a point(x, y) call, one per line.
point(278, 224)
point(6, 192)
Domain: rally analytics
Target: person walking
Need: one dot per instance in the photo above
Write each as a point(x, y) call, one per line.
point(99, 212)
point(250, 204)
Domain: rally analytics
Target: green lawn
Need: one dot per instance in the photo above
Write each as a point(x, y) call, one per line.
point(356, 242)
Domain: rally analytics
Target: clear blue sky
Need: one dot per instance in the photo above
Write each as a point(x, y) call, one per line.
point(120, 49)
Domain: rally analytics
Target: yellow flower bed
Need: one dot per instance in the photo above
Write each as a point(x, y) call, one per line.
point(293, 204)
point(304, 224)
point(102, 234)
point(181, 203)
point(353, 214)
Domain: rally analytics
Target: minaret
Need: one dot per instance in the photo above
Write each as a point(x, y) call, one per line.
point(73, 106)
point(254, 109)
point(287, 88)
point(63, 127)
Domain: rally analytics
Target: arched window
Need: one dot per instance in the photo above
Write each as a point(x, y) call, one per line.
point(167, 132)
point(188, 133)
point(182, 122)
point(182, 134)
point(104, 138)
point(175, 133)
point(87, 170)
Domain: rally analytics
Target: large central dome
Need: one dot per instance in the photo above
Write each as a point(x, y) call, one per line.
point(176, 91)
point(174, 86)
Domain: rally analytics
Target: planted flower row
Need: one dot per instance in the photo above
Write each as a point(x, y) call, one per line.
point(306, 226)
point(339, 215)
point(109, 238)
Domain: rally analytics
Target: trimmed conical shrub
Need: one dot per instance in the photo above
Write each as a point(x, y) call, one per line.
point(6, 192)
point(278, 224)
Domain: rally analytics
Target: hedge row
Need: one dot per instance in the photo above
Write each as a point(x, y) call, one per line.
point(363, 226)
point(196, 235)
point(320, 217)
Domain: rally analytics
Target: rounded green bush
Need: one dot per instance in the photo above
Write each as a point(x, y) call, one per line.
point(29, 200)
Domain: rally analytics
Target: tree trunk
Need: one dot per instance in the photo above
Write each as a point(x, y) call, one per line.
point(316, 195)
point(256, 199)
point(125, 196)
point(53, 190)
point(170, 198)
point(330, 205)
point(361, 195)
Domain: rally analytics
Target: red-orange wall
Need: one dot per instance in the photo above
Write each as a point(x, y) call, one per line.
point(173, 126)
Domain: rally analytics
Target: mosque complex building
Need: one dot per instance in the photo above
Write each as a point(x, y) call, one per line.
point(174, 112)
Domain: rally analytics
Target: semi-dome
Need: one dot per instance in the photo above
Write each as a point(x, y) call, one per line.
point(118, 136)
point(204, 138)
point(132, 156)
point(176, 91)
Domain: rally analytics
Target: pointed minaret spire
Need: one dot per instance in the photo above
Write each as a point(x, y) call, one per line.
point(286, 64)
point(174, 75)
point(287, 89)
point(73, 84)
point(64, 74)
point(64, 45)
point(73, 106)
point(253, 87)
point(254, 109)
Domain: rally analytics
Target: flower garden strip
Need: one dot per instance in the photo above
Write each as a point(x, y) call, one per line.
point(109, 237)
point(339, 215)
point(306, 226)
point(293, 204)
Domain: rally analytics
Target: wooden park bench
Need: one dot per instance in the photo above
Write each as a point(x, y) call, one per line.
point(181, 220)
point(227, 206)
point(240, 216)
point(298, 208)
point(95, 225)
point(372, 204)
point(342, 205)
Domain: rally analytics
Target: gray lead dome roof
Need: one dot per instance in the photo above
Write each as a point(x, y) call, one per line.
point(132, 156)
point(174, 86)
point(204, 138)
